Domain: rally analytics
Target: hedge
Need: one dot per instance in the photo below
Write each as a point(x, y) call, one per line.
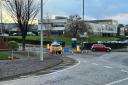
point(33, 42)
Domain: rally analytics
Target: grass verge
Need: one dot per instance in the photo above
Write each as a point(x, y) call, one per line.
point(3, 56)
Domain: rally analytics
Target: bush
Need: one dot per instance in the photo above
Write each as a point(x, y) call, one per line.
point(13, 45)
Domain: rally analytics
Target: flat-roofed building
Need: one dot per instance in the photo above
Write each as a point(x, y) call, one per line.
point(98, 27)
point(56, 25)
point(103, 27)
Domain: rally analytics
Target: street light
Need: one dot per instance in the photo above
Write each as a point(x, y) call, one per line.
point(1, 17)
point(41, 42)
point(83, 9)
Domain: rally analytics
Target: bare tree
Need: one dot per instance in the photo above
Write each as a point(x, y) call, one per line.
point(75, 25)
point(22, 12)
point(118, 29)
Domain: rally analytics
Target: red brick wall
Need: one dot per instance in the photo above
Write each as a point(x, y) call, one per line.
point(3, 43)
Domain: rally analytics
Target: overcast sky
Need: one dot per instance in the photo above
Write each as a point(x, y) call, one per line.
point(94, 9)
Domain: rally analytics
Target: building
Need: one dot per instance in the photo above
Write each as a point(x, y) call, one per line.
point(98, 27)
point(13, 27)
point(107, 21)
point(55, 26)
point(124, 30)
point(103, 27)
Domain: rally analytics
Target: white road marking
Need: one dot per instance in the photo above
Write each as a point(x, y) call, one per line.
point(95, 64)
point(118, 81)
point(124, 71)
point(107, 66)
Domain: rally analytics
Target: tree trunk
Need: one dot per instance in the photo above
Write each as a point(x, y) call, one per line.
point(75, 33)
point(23, 43)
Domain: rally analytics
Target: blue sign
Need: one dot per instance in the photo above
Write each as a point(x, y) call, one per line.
point(66, 50)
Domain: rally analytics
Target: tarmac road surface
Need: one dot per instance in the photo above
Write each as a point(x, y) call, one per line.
point(92, 69)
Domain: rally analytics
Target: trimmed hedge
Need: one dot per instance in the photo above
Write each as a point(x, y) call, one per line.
point(33, 42)
point(13, 45)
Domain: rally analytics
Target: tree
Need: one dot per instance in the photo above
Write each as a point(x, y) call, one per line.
point(22, 12)
point(126, 30)
point(75, 25)
point(118, 29)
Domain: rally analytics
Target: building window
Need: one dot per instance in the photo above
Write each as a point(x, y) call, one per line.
point(58, 25)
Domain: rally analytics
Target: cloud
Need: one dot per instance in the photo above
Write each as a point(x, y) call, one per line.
point(61, 6)
point(122, 18)
point(94, 9)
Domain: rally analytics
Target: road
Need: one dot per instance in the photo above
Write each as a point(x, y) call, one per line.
point(91, 69)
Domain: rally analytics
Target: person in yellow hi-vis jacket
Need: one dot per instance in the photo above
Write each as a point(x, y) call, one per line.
point(51, 50)
point(48, 47)
point(60, 50)
point(78, 49)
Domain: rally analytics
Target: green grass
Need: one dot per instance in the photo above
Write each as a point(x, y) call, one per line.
point(27, 38)
point(3, 56)
point(104, 39)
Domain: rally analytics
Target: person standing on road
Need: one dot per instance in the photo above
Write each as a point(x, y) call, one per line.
point(55, 50)
point(60, 50)
point(51, 50)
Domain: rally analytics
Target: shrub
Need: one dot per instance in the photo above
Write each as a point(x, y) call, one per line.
point(13, 45)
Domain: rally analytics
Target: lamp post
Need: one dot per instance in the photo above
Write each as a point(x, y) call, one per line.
point(41, 42)
point(83, 10)
point(1, 17)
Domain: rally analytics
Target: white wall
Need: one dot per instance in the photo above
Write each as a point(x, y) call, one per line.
point(100, 28)
point(53, 24)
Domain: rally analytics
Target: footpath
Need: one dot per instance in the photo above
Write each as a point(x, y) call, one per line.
point(10, 69)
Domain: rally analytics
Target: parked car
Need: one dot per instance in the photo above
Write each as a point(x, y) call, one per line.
point(4, 34)
point(30, 34)
point(16, 34)
point(100, 47)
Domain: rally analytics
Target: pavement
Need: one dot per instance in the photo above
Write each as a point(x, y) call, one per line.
point(121, 50)
point(12, 69)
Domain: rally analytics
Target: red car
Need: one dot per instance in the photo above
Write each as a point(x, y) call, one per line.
point(100, 47)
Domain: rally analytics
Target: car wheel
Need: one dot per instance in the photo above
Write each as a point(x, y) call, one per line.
point(93, 50)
